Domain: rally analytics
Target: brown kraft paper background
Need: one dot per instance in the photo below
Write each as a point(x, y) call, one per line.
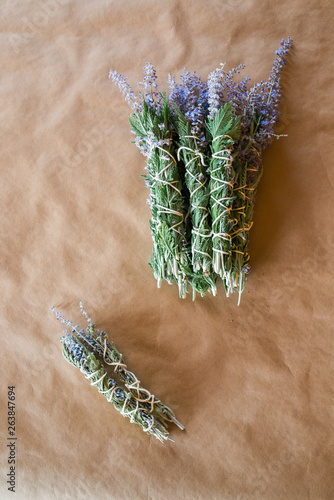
point(253, 385)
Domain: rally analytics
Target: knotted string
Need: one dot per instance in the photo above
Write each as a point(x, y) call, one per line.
point(135, 387)
point(129, 398)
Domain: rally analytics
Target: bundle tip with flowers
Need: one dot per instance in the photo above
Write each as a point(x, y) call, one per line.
point(203, 145)
point(94, 355)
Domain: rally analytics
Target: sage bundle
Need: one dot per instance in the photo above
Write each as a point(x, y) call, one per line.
point(92, 352)
point(204, 145)
point(168, 225)
point(155, 138)
point(192, 150)
point(224, 129)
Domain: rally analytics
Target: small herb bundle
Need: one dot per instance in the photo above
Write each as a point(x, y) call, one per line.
point(192, 149)
point(98, 339)
point(224, 129)
point(92, 352)
point(258, 111)
point(79, 356)
point(155, 137)
point(204, 147)
point(168, 225)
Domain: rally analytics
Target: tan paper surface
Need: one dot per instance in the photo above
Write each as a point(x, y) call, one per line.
point(253, 385)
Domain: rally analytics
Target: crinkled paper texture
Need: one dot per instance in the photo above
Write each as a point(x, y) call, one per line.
point(253, 385)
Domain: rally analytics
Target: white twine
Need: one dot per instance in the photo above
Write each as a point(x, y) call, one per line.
point(191, 137)
point(219, 136)
point(196, 152)
point(203, 253)
point(219, 155)
point(221, 182)
point(196, 230)
point(99, 380)
point(158, 178)
point(166, 183)
point(149, 428)
point(116, 364)
point(226, 209)
point(87, 375)
point(164, 150)
point(201, 184)
point(240, 187)
point(224, 236)
point(228, 253)
point(167, 210)
point(135, 384)
point(123, 409)
point(220, 251)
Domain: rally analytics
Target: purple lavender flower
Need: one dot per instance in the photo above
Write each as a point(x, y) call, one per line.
point(149, 143)
point(264, 97)
point(191, 98)
point(125, 89)
point(150, 88)
point(236, 92)
point(215, 90)
point(77, 351)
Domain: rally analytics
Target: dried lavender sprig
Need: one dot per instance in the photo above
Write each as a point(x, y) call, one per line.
point(150, 95)
point(190, 97)
point(216, 98)
point(125, 89)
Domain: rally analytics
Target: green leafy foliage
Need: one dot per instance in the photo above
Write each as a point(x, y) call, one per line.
point(202, 197)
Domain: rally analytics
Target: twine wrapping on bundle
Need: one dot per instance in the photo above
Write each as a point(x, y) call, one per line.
point(204, 149)
point(91, 351)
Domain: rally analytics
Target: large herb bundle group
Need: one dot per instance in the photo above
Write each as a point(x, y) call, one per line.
point(203, 145)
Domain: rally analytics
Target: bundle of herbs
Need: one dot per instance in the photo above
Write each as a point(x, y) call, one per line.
point(92, 352)
point(203, 145)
